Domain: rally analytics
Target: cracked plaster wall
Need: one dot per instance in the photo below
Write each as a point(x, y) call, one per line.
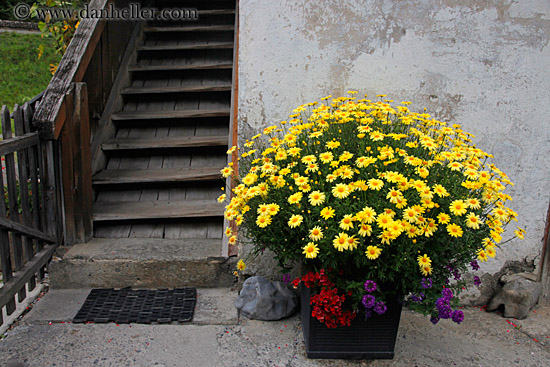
point(483, 64)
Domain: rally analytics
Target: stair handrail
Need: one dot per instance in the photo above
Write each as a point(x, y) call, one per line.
point(51, 114)
point(69, 114)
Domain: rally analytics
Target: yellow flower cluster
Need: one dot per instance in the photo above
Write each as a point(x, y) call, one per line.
point(356, 174)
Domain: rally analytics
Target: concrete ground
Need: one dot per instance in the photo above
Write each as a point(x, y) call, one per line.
point(216, 337)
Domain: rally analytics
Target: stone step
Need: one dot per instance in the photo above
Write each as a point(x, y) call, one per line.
point(143, 263)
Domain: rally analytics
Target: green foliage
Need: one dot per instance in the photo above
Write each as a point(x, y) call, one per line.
point(23, 75)
point(59, 31)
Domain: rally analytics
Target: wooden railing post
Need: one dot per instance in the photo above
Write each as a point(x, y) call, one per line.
point(76, 166)
point(82, 164)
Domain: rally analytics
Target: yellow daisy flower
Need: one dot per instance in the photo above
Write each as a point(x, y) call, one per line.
point(326, 157)
point(394, 196)
point(454, 230)
point(443, 218)
point(226, 172)
point(409, 214)
point(426, 270)
point(384, 220)
point(373, 252)
point(317, 198)
point(440, 191)
point(295, 221)
point(367, 215)
point(263, 221)
point(327, 213)
point(365, 230)
point(316, 233)
point(375, 184)
point(519, 234)
point(241, 265)
point(347, 222)
point(482, 255)
point(472, 221)
point(424, 260)
point(352, 243)
point(333, 144)
point(341, 191)
point(310, 250)
point(457, 207)
point(295, 198)
point(228, 231)
point(340, 241)
point(273, 209)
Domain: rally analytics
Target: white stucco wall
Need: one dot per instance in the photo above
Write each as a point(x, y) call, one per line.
point(483, 64)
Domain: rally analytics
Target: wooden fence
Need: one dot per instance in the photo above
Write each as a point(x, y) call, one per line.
point(29, 225)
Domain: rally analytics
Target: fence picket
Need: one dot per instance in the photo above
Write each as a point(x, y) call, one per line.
point(5, 254)
point(33, 156)
point(23, 170)
point(12, 197)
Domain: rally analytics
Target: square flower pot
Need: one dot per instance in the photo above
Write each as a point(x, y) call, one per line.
point(364, 339)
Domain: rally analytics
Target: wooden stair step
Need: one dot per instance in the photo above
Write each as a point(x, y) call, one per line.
point(165, 143)
point(167, 175)
point(205, 46)
point(150, 248)
point(140, 210)
point(192, 89)
point(160, 115)
point(223, 65)
point(203, 28)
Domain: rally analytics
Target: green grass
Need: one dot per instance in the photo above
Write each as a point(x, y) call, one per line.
point(22, 74)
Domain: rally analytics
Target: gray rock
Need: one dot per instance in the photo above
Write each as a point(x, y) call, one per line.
point(518, 296)
point(261, 299)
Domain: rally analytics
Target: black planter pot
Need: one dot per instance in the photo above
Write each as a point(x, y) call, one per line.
point(364, 339)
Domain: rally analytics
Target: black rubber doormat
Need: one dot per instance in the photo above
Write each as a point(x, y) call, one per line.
point(141, 306)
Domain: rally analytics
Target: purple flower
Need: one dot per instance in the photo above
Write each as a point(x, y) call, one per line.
point(474, 265)
point(380, 308)
point(368, 301)
point(477, 281)
point(447, 293)
point(443, 307)
point(456, 274)
point(445, 313)
point(434, 319)
point(418, 298)
point(286, 278)
point(370, 286)
point(368, 314)
point(450, 267)
point(447, 281)
point(458, 316)
point(426, 283)
point(441, 303)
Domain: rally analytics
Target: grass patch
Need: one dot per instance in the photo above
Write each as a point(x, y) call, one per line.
point(22, 74)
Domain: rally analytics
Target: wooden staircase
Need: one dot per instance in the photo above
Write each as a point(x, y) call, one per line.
point(159, 187)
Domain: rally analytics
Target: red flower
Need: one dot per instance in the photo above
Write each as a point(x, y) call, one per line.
point(327, 304)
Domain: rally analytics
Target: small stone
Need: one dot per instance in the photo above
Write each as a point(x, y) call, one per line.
point(518, 296)
point(261, 299)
